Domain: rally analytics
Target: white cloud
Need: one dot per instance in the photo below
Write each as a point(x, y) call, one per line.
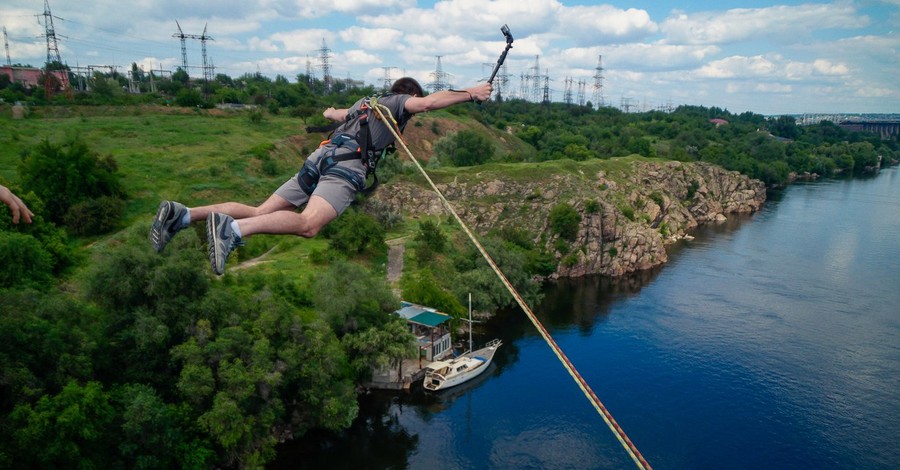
point(604, 23)
point(360, 57)
point(739, 24)
point(473, 18)
point(373, 38)
point(657, 56)
point(301, 40)
point(737, 66)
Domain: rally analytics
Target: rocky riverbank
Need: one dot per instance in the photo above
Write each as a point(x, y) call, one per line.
point(628, 210)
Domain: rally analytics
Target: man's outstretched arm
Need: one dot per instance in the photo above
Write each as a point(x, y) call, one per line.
point(444, 98)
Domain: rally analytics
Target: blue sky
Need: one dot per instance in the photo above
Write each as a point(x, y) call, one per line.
point(768, 57)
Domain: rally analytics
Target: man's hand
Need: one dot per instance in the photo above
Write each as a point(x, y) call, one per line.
point(481, 92)
point(18, 208)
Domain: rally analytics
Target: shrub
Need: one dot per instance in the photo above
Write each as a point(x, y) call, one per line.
point(94, 216)
point(65, 175)
point(564, 220)
point(430, 235)
point(24, 262)
point(465, 148)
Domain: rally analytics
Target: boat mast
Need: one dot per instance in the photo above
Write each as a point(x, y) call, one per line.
point(470, 322)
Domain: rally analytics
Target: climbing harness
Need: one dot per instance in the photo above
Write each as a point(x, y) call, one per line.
point(570, 368)
point(309, 174)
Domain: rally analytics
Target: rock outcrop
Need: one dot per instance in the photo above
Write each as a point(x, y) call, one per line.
point(629, 210)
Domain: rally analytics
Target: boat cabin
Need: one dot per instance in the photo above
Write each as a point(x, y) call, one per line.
point(431, 329)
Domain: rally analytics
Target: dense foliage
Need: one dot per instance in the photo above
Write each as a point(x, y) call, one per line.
point(154, 365)
point(80, 189)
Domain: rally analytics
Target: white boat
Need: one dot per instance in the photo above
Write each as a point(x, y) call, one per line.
point(441, 375)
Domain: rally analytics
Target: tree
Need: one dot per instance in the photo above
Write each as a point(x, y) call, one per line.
point(72, 426)
point(62, 175)
point(465, 148)
point(380, 346)
point(350, 298)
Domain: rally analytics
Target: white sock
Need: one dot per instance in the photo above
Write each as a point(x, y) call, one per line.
point(186, 220)
point(235, 228)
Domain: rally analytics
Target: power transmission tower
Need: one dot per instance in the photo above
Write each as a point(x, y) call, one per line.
point(581, 86)
point(207, 68)
point(309, 71)
point(536, 80)
point(324, 55)
point(50, 33)
point(598, 83)
point(386, 80)
point(502, 79)
point(52, 54)
point(523, 86)
point(546, 89)
point(180, 34)
point(567, 92)
point(207, 65)
point(6, 43)
point(439, 76)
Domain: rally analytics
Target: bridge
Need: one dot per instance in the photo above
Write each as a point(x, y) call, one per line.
point(885, 125)
point(887, 129)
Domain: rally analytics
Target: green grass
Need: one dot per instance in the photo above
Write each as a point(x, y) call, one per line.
point(196, 158)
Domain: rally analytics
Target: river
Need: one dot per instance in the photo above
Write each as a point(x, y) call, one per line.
point(768, 341)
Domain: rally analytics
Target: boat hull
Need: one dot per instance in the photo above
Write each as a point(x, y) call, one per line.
point(447, 374)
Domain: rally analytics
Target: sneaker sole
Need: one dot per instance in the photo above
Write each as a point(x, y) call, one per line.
point(156, 235)
point(212, 237)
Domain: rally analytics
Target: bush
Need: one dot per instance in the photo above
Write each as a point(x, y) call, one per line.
point(355, 232)
point(67, 174)
point(94, 216)
point(465, 148)
point(564, 220)
point(24, 262)
point(430, 235)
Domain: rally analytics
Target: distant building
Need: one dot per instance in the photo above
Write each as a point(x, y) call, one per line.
point(29, 77)
point(719, 122)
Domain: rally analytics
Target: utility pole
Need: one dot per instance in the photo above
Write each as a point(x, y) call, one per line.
point(6, 43)
point(536, 80)
point(386, 81)
point(324, 55)
point(180, 34)
point(207, 65)
point(598, 83)
point(581, 86)
point(439, 76)
point(546, 98)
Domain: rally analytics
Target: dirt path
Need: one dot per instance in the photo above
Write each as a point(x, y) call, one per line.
point(395, 263)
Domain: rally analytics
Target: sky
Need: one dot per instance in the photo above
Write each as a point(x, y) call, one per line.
point(764, 56)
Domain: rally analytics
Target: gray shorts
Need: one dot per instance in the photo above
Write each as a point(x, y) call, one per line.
point(338, 191)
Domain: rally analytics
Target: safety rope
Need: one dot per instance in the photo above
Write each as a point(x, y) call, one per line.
point(570, 368)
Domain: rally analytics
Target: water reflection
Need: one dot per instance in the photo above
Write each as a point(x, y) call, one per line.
point(582, 302)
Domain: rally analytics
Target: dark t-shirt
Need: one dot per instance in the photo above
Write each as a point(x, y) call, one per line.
point(378, 131)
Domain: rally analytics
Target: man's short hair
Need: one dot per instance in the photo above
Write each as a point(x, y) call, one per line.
point(407, 86)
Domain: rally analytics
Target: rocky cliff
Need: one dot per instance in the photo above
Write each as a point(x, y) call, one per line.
point(628, 209)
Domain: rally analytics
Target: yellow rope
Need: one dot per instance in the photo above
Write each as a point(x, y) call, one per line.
point(570, 368)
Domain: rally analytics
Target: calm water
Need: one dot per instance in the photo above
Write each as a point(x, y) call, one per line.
point(767, 342)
